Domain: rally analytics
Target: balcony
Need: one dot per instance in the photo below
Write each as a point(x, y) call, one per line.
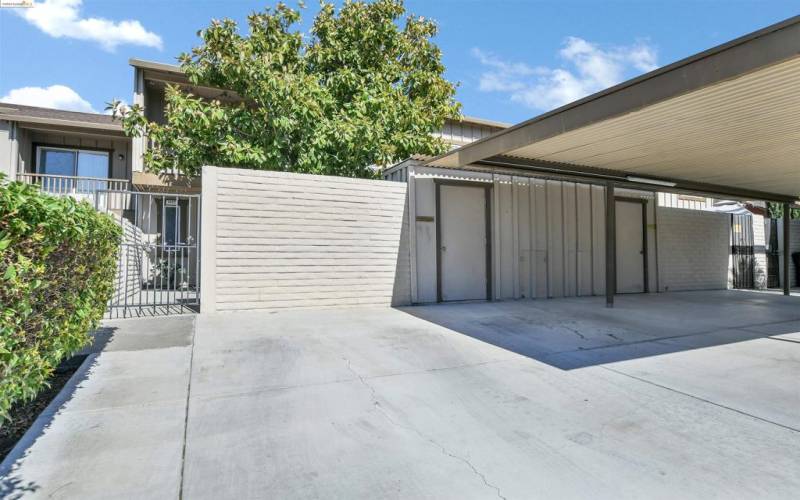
point(100, 192)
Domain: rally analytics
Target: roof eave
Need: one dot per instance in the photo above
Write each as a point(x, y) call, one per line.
point(64, 123)
point(155, 66)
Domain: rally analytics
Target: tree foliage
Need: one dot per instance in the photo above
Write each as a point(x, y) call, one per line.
point(775, 211)
point(57, 265)
point(364, 87)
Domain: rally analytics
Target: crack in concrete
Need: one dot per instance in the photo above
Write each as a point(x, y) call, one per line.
point(573, 330)
point(278, 388)
point(376, 403)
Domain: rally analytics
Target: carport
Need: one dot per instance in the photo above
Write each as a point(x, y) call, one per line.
point(721, 123)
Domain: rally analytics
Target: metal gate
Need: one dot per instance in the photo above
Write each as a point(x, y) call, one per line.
point(742, 251)
point(773, 256)
point(158, 270)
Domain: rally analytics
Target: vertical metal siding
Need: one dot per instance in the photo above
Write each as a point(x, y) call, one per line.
point(548, 236)
point(584, 243)
point(539, 235)
point(570, 239)
point(555, 240)
point(598, 240)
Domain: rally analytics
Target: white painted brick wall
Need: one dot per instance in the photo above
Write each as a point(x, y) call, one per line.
point(276, 240)
point(693, 249)
point(760, 246)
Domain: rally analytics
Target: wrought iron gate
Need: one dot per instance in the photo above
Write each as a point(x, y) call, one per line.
point(742, 251)
point(158, 269)
point(773, 256)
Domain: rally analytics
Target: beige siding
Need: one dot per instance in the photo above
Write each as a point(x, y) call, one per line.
point(24, 151)
point(293, 241)
point(458, 133)
point(8, 162)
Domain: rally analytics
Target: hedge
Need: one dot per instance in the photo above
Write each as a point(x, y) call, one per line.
point(58, 260)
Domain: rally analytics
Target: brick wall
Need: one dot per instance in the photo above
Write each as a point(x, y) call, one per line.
point(693, 249)
point(760, 251)
point(275, 240)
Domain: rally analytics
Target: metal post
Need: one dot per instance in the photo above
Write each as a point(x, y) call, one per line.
point(786, 223)
point(611, 245)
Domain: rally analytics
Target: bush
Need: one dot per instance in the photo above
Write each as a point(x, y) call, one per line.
point(57, 266)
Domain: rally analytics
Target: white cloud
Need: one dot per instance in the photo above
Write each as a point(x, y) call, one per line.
point(54, 96)
point(588, 68)
point(61, 18)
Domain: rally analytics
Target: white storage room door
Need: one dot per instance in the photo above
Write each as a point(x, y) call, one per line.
point(463, 242)
point(630, 247)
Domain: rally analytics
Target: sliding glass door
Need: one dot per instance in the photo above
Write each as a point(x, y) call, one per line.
point(77, 170)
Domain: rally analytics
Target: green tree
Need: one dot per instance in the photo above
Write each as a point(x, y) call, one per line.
point(365, 87)
point(775, 211)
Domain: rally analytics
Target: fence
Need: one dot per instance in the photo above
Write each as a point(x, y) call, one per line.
point(158, 270)
point(82, 188)
point(274, 240)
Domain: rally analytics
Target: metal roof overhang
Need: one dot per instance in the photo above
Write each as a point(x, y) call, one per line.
point(724, 122)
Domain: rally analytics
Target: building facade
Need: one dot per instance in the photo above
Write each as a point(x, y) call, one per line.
point(542, 235)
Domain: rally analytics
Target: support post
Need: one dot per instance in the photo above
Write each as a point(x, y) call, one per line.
point(611, 245)
point(138, 144)
point(208, 241)
point(786, 235)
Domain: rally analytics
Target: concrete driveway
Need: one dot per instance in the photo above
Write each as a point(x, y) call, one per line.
point(690, 395)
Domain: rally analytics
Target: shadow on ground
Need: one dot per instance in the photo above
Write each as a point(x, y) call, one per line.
point(580, 332)
point(14, 488)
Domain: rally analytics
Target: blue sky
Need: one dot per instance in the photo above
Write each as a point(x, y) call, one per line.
point(512, 59)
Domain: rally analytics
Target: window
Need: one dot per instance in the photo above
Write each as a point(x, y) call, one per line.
point(72, 163)
point(172, 223)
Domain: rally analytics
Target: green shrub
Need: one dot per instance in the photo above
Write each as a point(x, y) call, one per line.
point(57, 265)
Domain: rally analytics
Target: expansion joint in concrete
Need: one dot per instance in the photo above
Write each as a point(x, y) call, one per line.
point(186, 411)
point(756, 417)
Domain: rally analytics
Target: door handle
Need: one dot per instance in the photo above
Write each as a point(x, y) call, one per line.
point(444, 248)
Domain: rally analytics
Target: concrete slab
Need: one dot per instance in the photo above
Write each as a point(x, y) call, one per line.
point(754, 376)
point(116, 430)
point(296, 348)
point(591, 434)
point(142, 334)
point(514, 400)
point(688, 395)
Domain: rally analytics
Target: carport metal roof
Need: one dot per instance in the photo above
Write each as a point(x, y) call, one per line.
point(724, 122)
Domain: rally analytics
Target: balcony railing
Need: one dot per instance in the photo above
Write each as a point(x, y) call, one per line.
point(82, 188)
